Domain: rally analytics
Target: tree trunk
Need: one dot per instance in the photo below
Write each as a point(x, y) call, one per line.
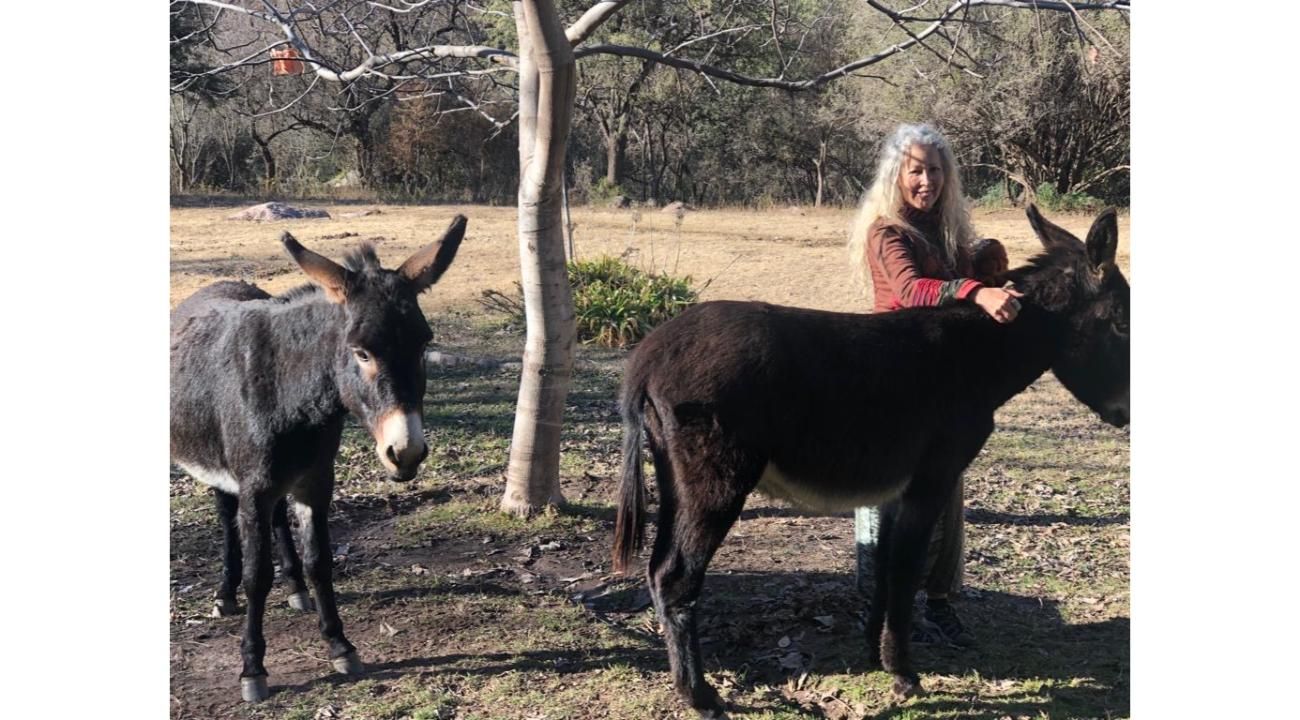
point(820, 162)
point(269, 181)
point(180, 144)
point(547, 87)
point(615, 148)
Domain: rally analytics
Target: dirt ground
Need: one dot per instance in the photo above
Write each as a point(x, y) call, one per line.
point(460, 612)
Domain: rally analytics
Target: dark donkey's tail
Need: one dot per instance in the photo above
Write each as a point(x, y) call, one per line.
point(629, 527)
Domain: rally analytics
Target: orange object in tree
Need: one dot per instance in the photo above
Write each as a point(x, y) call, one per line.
point(285, 61)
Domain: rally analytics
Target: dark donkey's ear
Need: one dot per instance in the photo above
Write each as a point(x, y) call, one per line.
point(429, 262)
point(1103, 239)
point(1050, 235)
point(332, 277)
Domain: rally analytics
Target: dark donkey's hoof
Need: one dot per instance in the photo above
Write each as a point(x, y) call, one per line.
point(906, 686)
point(349, 664)
point(713, 713)
point(254, 689)
point(708, 703)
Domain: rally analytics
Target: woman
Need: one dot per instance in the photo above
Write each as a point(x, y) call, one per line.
point(913, 232)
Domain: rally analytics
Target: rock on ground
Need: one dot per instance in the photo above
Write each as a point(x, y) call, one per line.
point(277, 211)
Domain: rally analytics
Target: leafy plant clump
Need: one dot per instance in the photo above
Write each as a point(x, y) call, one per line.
point(1055, 201)
point(603, 192)
point(617, 304)
point(994, 197)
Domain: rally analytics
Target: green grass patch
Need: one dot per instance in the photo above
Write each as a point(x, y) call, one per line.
point(483, 517)
point(410, 697)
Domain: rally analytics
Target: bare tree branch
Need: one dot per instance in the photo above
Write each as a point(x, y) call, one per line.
point(410, 6)
point(291, 103)
point(325, 72)
point(1089, 182)
point(818, 81)
point(603, 10)
point(702, 38)
point(776, 40)
point(737, 78)
point(1074, 9)
point(592, 19)
point(902, 26)
point(1121, 5)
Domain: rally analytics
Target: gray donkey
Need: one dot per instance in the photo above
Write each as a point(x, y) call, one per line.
point(259, 389)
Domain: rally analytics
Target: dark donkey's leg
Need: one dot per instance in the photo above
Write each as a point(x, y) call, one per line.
point(880, 590)
point(312, 506)
point(929, 492)
point(255, 510)
point(232, 560)
point(903, 558)
point(290, 565)
point(699, 500)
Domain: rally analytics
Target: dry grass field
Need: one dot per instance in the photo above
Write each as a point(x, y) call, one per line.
point(790, 257)
point(461, 612)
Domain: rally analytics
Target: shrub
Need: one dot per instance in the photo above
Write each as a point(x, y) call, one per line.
point(994, 197)
point(1049, 198)
point(603, 191)
point(616, 304)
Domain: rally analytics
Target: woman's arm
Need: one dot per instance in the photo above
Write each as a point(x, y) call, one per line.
point(891, 253)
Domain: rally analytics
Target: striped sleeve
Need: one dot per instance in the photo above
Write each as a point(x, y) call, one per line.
point(958, 289)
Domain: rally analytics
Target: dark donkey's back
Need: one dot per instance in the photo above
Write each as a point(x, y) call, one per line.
point(259, 389)
point(835, 410)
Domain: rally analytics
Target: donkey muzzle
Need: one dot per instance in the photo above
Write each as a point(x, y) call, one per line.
point(400, 445)
point(1116, 412)
point(1117, 416)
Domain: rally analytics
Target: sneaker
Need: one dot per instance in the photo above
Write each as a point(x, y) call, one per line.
point(925, 632)
point(943, 617)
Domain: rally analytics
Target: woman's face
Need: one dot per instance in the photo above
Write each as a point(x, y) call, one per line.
point(921, 178)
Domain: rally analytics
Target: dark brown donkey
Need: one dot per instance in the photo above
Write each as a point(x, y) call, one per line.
point(259, 389)
point(833, 411)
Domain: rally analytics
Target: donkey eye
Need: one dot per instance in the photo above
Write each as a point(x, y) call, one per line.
point(1120, 326)
point(361, 355)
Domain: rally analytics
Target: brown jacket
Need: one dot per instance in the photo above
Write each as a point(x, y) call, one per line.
point(908, 270)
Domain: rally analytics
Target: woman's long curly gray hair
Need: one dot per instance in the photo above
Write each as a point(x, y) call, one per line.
point(884, 199)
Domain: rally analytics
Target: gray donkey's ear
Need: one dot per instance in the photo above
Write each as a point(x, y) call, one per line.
point(329, 275)
point(431, 261)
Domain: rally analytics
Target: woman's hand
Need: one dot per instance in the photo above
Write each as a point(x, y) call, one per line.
point(1000, 303)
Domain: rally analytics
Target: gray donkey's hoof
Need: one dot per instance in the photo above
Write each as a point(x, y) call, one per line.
point(225, 608)
point(349, 664)
point(254, 689)
point(301, 602)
